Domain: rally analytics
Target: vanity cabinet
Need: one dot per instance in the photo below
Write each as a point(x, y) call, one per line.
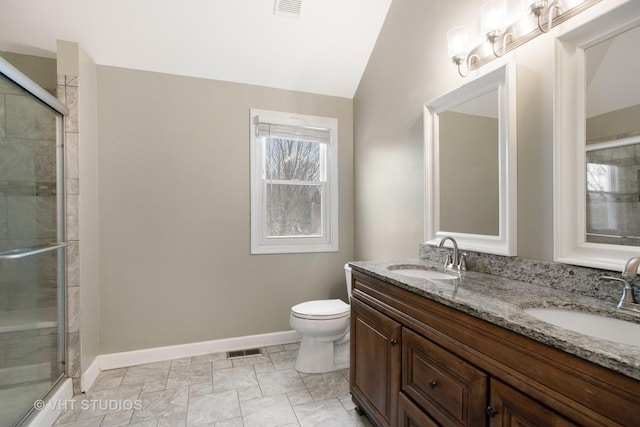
point(416, 362)
point(375, 342)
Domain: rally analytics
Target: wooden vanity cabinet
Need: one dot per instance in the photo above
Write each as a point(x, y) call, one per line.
point(416, 362)
point(375, 380)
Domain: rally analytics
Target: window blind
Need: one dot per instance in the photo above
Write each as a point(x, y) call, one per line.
point(293, 132)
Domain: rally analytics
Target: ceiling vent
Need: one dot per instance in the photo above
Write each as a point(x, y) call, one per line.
point(289, 8)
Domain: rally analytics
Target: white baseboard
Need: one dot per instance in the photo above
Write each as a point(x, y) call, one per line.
point(54, 407)
point(158, 354)
point(90, 374)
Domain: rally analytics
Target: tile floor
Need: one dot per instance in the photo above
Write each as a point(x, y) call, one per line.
point(211, 390)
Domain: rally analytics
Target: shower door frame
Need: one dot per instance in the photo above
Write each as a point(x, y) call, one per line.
point(16, 76)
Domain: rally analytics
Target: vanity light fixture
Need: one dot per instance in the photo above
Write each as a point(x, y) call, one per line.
point(540, 17)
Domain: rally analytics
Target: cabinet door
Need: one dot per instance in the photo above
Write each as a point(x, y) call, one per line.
point(452, 391)
point(410, 415)
point(511, 408)
point(375, 363)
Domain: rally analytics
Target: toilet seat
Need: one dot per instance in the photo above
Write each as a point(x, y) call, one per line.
point(321, 309)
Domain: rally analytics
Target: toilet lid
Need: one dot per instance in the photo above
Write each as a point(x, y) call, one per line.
point(326, 308)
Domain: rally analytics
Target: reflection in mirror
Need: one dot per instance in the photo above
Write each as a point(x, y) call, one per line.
point(596, 137)
point(470, 148)
point(468, 160)
point(613, 141)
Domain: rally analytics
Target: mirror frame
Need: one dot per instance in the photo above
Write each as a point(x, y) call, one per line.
point(505, 243)
point(569, 157)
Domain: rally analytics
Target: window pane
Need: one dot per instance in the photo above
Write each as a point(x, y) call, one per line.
point(613, 201)
point(287, 159)
point(294, 210)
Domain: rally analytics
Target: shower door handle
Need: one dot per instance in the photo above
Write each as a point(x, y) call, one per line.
point(25, 252)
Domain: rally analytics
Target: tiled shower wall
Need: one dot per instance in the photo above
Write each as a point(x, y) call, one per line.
point(27, 218)
point(68, 95)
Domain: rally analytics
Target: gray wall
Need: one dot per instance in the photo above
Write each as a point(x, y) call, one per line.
point(174, 212)
point(410, 66)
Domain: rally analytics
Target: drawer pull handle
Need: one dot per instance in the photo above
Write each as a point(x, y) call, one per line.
point(394, 342)
point(433, 384)
point(491, 411)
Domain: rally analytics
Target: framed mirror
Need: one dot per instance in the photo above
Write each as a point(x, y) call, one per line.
point(470, 164)
point(597, 141)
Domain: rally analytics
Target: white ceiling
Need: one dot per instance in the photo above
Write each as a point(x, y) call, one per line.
point(325, 51)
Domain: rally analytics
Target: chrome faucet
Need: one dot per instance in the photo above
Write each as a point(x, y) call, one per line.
point(629, 273)
point(458, 260)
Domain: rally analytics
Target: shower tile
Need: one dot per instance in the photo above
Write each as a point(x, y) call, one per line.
point(71, 120)
point(45, 161)
point(73, 264)
point(71, 155)
point(17, 163)
point(61, 91)
point(213, 407)
point(73, 309)
point(73, 223)
point(71, 80)
point(72, 186)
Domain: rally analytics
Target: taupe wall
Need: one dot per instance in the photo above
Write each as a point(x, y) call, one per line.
point(410, 66)
point(174, 212)
point(40, 70)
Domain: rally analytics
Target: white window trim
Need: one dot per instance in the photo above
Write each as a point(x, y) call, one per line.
point(328, 242)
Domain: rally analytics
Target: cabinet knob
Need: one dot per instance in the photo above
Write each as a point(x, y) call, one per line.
point(491, 411)
point(394, 342)
point(433, 384)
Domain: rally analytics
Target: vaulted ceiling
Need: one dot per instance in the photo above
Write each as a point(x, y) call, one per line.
point(325, 50)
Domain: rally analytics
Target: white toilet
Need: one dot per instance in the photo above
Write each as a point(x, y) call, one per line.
point(323, 324)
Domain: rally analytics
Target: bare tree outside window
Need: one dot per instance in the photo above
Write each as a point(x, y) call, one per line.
point(294, 187)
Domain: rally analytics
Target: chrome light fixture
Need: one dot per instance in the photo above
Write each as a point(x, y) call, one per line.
point(539, 17)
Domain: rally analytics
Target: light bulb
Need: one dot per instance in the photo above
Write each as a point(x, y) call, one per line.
point(457, 41)
point(492, 16)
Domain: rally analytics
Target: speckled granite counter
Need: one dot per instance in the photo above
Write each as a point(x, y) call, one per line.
point(501, 301)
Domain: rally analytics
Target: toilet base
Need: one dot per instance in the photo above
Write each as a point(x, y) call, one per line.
point(318, 357)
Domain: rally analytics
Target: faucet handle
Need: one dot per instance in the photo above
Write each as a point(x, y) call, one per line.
point(463, 261)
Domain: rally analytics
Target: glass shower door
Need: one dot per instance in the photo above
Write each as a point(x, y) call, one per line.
point(32, 257)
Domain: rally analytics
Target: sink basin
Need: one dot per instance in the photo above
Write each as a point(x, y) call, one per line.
point(420, 272)
point(595, 325)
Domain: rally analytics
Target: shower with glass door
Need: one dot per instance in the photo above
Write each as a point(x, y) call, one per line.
point(32, 245)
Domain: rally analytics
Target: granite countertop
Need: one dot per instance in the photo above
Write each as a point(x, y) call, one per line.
point(501, 301)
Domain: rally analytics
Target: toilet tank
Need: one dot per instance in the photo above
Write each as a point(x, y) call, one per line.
point(347, 276)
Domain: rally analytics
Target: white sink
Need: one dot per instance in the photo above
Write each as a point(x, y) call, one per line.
point(421, 272)
point(607, 328)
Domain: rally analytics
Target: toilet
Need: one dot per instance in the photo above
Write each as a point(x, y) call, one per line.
point(323, 324)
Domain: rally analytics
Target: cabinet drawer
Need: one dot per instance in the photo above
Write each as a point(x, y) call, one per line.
point(450, 390)
point(410, 415)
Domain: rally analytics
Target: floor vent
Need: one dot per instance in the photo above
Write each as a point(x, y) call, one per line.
point(243, 353)
point(290, 8)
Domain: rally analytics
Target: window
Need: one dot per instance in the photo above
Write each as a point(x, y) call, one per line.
point(294, 183)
